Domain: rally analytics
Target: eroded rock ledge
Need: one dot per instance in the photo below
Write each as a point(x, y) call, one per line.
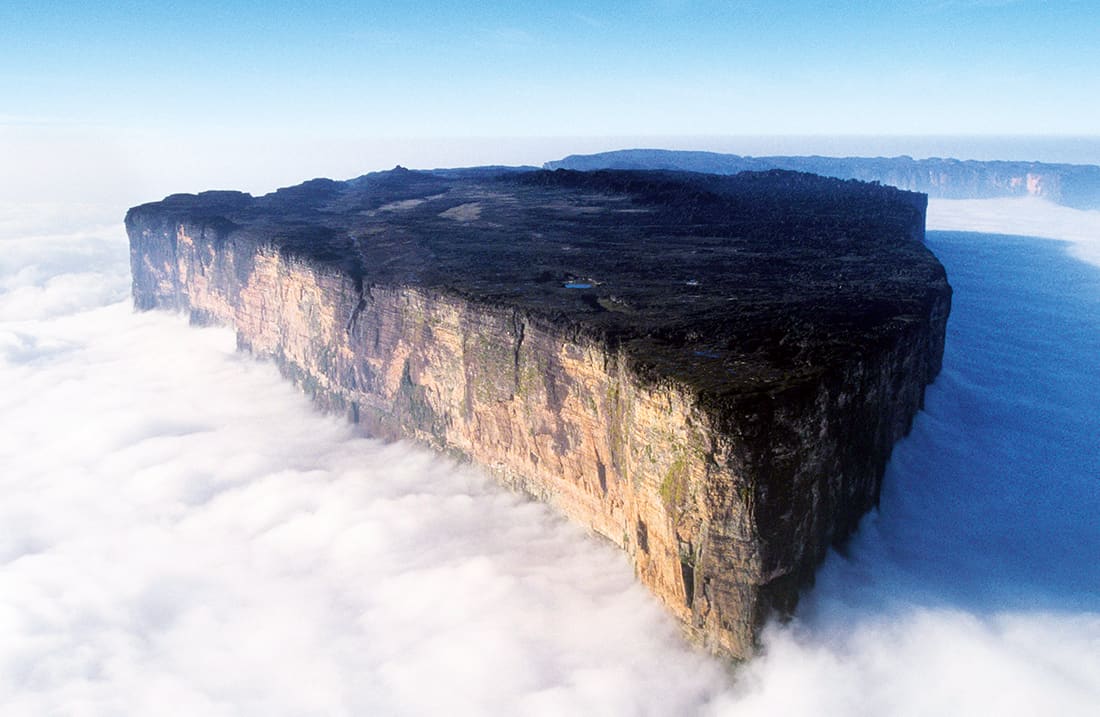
point(708, 371)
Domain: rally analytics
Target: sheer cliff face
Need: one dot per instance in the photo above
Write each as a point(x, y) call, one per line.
point(725, 501)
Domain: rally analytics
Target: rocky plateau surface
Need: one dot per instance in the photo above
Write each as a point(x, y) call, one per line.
point(708, 371)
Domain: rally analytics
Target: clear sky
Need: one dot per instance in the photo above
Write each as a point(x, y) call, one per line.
point(524, 69)
point(128, 100)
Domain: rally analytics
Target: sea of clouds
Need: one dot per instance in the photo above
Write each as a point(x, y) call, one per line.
point(182, 534)
point(1031, 216)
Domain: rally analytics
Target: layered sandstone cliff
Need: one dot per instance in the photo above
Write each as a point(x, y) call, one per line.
point(708, 372)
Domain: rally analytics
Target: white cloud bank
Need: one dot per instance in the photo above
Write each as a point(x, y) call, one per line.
point(181, 534)
point(1025, 217)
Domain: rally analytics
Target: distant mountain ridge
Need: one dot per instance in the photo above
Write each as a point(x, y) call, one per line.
point(1072, 185)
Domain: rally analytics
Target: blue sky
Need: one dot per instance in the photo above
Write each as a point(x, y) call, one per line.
point(529, 69)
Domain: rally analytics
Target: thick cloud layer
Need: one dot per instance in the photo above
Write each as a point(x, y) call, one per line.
point(1030, 217)
point(180, 533)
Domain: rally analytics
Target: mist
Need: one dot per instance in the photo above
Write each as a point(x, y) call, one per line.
point(184, 534)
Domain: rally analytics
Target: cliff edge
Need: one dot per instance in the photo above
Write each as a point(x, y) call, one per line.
point(708, 371)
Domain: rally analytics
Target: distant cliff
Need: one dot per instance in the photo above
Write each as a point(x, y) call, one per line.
point(708, 371)
point(1073, 185)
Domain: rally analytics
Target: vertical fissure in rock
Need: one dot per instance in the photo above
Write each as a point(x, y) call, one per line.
point(518, 331)
point(687, 572)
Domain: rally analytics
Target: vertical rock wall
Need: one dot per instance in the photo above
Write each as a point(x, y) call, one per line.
point(724, 510)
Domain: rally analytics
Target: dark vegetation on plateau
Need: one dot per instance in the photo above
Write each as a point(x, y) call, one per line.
point(733, 284)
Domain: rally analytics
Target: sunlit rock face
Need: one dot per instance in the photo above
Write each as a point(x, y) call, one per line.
point(708, 371)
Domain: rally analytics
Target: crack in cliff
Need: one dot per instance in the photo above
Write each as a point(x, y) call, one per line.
point(518, 332)
point(354, 317)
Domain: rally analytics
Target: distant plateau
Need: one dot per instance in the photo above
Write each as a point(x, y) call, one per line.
point(1072, 185)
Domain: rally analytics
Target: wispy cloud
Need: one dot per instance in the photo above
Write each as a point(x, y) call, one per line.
point(381, 38)
point(507, 38)
point(965, 4)
point(588, 20)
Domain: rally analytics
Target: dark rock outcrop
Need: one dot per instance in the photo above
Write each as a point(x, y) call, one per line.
point(709, 371)
point(1074, 185)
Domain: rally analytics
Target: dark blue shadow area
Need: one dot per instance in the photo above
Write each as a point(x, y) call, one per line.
point(993, 501)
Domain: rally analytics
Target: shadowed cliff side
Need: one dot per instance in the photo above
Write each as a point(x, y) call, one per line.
point(708, 371)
